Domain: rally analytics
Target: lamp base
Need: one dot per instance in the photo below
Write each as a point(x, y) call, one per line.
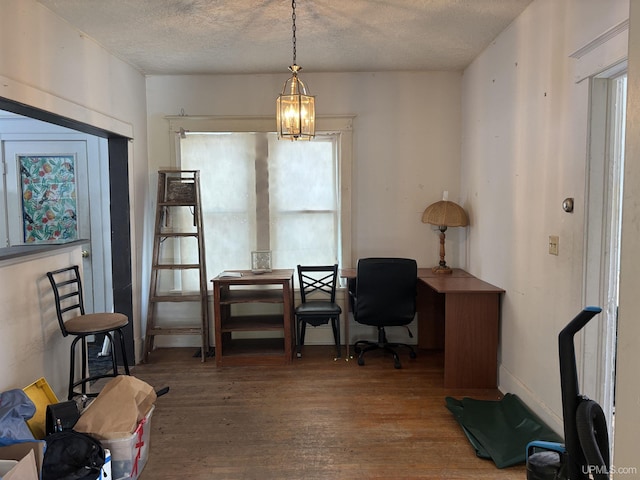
point(440, 270)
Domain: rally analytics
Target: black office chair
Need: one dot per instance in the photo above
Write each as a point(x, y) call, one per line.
point(383, 294)
point(67, 289)
point(318, 307)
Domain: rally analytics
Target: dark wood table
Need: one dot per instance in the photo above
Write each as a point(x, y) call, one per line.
point(275, 288)
point(458, 313)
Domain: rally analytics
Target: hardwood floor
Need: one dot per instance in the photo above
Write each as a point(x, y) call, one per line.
point(314, 419)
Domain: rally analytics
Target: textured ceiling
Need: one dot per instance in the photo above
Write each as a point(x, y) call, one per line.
point(255, 36)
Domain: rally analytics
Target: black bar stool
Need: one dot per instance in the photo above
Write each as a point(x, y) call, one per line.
point(67, 288)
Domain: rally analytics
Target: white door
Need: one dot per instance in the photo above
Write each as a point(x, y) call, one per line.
point(48, 196)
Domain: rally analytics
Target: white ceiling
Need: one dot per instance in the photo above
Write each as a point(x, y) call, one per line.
point(255, 36)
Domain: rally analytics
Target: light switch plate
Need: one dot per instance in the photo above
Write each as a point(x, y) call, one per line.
point(553, 244)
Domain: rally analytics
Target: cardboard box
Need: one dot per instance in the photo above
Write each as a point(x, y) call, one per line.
point(129, 454)
point(7, 465)
point(29, 456)
point(25, 469)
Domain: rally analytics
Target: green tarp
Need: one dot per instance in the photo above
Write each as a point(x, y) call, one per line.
point(500, 429)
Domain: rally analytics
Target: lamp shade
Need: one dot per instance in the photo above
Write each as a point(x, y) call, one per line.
point(445, 214)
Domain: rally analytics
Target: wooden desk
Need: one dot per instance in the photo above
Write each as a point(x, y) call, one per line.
point(460, 314)
point(271, 287)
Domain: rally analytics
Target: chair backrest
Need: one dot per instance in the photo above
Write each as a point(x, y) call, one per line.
point(385, 291)
point(318, 280)
point(67, 289)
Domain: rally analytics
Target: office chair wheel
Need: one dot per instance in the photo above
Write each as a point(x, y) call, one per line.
point(360, 361)
point(396, 363)
point(412, 355)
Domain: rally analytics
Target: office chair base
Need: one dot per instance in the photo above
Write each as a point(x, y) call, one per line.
point(386, 346)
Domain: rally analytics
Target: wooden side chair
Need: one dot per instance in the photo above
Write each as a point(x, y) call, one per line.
point(67, 289)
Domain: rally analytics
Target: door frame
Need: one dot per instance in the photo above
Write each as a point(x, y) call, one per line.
point(601, 255)
point(119, 207)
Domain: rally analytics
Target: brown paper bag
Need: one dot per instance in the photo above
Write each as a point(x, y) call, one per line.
point(116, 411)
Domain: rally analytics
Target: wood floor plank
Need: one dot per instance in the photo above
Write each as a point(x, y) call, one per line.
point(314, 419)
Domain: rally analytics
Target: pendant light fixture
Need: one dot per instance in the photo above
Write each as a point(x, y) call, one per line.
point(295, 109)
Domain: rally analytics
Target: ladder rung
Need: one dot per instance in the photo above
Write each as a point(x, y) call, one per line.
point(177, 234)
point(174, 331)
point(176, 266)
point(176, 298)
point(177, 204)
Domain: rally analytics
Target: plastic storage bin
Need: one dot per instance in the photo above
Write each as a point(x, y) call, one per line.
point(129, 454)
point(105, 472)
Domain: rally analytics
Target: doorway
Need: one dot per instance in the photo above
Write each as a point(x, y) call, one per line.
point(115, 153)
point(86, 160)
point(604, 220)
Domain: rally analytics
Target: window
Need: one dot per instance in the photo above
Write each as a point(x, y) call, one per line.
point(261, 193)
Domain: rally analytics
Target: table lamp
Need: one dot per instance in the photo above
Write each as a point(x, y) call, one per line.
point(444, 214)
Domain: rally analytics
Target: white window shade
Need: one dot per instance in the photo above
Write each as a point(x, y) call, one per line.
point(304, 201)
point(227, 184)
point(259, 193)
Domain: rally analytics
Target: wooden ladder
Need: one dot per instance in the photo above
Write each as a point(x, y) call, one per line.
point(178, 198)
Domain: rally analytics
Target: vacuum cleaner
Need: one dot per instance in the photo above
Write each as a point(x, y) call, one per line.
point(585, 452)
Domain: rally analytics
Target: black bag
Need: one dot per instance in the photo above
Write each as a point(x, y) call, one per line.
point(61, 416)
point(72, 455)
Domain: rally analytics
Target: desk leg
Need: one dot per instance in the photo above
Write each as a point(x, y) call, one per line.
point(288, 318)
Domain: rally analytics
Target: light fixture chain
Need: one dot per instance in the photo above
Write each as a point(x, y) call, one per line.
point(293, 28)
point(296, 110)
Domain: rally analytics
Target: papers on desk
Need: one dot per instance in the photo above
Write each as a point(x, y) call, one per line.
point(227, 274)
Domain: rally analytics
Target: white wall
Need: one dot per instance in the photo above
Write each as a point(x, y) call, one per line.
point(31, 343)
point(525, 123)
point(47, 64)
point(406, 141)
point(406, 148)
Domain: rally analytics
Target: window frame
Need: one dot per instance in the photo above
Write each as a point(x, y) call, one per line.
point(338, 124)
